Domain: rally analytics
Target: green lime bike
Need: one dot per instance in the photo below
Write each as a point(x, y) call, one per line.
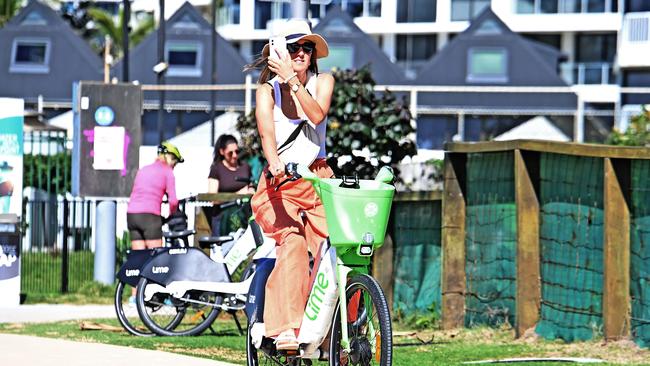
point(347, 319)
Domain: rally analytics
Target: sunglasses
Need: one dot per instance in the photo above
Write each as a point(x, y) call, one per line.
point(308, 47)
point(230, 153)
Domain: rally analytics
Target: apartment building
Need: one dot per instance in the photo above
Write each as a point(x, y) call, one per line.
point(603, 41)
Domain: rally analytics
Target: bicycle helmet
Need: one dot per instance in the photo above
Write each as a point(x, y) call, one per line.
point(167, 148)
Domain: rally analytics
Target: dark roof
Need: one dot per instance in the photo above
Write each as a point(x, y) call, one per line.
point(70, 58)
point(338, 28)
point(188, 25)
point(528, 63)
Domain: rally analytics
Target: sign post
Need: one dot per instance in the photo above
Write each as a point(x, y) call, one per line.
point(105, 157)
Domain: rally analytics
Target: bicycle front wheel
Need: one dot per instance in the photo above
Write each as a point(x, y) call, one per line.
point(369, 326)
point(127, 312)
point(196, 311)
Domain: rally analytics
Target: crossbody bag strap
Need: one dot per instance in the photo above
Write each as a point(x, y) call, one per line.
point(294, 135)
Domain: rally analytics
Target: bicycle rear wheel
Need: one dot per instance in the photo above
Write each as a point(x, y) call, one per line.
point(198, 309)
point(369, 326)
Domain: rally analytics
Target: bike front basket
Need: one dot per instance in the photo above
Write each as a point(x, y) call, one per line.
point(356, 215)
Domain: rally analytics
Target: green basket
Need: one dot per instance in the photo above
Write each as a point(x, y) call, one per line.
point(353, 213)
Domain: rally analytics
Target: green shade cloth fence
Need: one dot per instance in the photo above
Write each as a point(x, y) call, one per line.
point(640, 252)
point(417, 266)
point(491, 240)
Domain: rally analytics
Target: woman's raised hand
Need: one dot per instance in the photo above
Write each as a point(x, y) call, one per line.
point(281, 66)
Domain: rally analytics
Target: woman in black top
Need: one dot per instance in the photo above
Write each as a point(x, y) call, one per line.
point(227, 173)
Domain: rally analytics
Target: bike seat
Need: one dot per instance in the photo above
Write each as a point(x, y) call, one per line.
point(178, 234)
point(208, 241)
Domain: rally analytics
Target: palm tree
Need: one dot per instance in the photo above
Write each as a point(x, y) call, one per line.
point(8, 8)
point(107, 26)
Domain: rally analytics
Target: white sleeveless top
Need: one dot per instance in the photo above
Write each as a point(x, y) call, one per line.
point(284, 126)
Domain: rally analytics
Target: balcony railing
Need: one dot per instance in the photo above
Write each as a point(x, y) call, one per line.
point(635, 40)
point(587, 73)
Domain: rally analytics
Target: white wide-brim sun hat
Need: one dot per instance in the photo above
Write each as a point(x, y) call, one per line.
point(294, 30)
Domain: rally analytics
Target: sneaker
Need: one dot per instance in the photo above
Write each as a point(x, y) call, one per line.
point(131, 300)
point(168, 302)
point(287, 341)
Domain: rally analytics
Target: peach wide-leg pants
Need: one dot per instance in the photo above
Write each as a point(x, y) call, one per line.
point(278, 214)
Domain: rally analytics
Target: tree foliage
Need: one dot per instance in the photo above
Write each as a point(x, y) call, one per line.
point(637, 133)
point(50, 173)
point(8, 8)
point(366, 130)
point(107, 26)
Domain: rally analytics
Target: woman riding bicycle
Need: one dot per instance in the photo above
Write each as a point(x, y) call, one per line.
point(151, 183)
point(291, 91)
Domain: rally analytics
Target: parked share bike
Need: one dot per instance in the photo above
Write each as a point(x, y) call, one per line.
point(128, 275)
point(347, 319)
point(188, 281)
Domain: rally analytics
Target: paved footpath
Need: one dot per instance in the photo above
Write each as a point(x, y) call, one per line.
point(36, 351)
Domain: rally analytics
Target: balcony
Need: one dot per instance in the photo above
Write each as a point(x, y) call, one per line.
point(634, 46)
point(587, 73)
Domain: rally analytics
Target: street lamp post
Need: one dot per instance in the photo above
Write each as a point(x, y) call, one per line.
point(126, 5)
point(161, 74)
point(213, 69)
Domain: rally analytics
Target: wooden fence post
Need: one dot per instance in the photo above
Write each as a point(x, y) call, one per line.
point(616, 256)
point(453, 245)
point(528, 296)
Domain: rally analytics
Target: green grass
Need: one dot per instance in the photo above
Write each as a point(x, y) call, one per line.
point(445, 347)
point(87, 293)
point(41, 272)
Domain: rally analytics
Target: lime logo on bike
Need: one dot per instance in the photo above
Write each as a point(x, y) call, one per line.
point(178, 251)
point(371, 209)
point(160, 269)
point(316, 298)
point(132, 272)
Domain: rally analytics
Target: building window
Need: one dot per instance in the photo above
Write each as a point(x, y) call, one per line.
point(229, 12)
point(184, 58)
point(340, 56)
point(487, 65)
point(358, 8)
point(467, 9)
point(416, 11)
point(413, 51)
point(266, 11)
point(634, 6)
point(553, 40)
point(434, 131)
point(30, 55)
point(565, 6)
point(595, 47)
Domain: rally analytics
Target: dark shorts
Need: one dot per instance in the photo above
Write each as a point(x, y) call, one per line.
point(144, 226)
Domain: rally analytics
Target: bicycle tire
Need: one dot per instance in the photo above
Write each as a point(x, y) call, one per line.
point(191, 324)
point(126, 316)
point(364, 347)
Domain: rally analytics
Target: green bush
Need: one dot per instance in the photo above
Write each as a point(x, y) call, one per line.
point(48, 172)
point(637, 133)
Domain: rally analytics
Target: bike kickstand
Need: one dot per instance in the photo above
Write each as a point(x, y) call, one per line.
point(241, 331)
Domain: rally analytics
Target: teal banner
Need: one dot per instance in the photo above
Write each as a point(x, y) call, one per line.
point(11, 155)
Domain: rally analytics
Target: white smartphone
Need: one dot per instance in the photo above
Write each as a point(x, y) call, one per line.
point(277, 46)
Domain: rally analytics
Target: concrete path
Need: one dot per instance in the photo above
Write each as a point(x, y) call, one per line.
point(47, 313)
point(36, 351)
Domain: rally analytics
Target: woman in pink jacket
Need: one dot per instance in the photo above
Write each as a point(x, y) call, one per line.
point(151, 183)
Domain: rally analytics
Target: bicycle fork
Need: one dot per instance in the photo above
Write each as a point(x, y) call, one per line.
point(342, 275)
